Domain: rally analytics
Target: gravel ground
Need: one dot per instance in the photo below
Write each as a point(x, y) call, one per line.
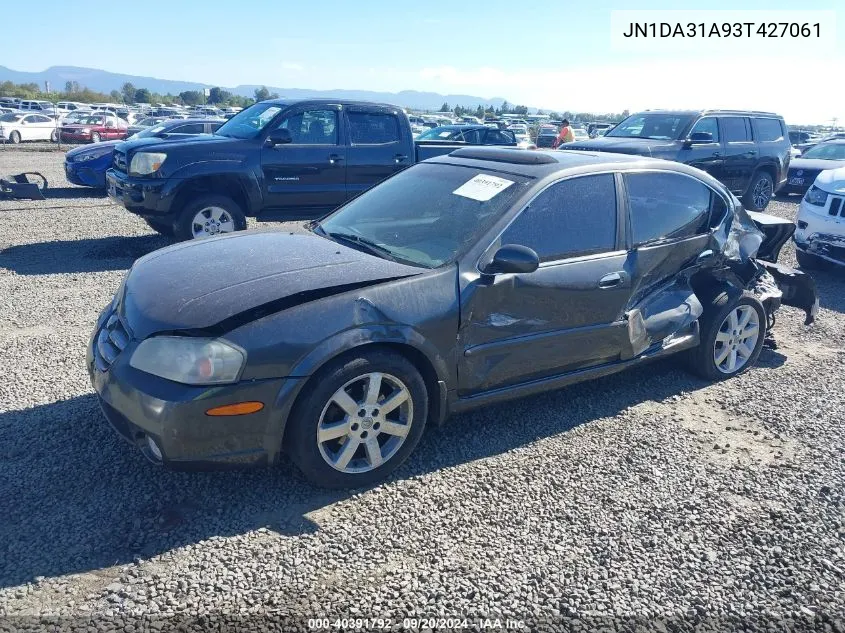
point(648, 494)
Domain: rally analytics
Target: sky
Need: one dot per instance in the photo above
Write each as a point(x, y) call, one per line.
point(552, 54)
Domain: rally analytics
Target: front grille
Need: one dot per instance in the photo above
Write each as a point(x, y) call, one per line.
point(110, 341)
point(119, 162)
point(836, 207)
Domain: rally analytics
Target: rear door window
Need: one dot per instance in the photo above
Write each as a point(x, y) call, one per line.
point(736, 129)
point(570, 218)
point(373, 128)
point(666, 206)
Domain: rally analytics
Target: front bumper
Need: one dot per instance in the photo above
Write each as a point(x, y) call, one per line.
point(75, 138)
point(821, 230)
point(143, 407)
point(147, 197)
point(91, 173)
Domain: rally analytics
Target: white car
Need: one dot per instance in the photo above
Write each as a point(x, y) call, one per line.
point(580, 134)
point(15, 128)
point(523, 138)
point(820, 225)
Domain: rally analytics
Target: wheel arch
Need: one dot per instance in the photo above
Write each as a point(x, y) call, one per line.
point(228, 185)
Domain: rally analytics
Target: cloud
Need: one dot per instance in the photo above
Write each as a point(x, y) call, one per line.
point(293, 66)
point(782, 85)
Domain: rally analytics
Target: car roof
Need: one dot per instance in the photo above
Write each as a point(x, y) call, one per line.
point(707, 111)
point(539, 164)
point(833, 141)
point(345, 102)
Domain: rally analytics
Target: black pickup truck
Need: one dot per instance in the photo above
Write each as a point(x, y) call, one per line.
point(277, 159)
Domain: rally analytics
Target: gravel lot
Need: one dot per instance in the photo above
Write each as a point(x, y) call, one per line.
point(648, 494)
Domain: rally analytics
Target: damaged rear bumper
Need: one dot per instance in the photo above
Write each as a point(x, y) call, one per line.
point(797, 288)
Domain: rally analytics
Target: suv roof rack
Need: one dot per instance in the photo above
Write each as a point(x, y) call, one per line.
point(720, 111)
point(513, 156)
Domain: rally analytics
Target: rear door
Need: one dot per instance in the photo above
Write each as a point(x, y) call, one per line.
point(740, 152)
point(377, 146)
point(669, 219)
point(308, 176)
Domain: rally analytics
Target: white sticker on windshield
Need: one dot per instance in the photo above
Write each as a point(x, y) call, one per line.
point(483, 187)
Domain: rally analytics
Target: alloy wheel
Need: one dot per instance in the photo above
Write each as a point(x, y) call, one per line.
point(365, 422)
point(762, 193)
point(211, 221)
point(736, 339)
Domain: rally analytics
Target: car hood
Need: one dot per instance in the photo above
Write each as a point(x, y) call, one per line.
point(832, 180)
point(218, 284)
point(207, 141)
point(814, 164)
point(97, 148)
point(638, 146)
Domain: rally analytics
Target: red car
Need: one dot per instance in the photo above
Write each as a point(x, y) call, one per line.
point(95, 128)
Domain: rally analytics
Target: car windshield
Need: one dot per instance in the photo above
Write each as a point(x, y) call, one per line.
point(828, 151)
point(10, 118)
point(249, 123)
point(425, 216)
point(653, 126)
point(92, 120)
point(438, 134)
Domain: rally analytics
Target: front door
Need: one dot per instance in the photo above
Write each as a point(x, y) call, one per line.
point(307, 176)
point(706, 156)
point(566, 315)
point(377, 148)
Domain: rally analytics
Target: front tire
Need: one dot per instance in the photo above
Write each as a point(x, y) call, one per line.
point(358, 421)
point(732, 331)
point(15, 137)
point(95, 137)
point(208, 216)
point(760, 192)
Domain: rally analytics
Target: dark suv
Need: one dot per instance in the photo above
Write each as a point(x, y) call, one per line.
point(746, 150)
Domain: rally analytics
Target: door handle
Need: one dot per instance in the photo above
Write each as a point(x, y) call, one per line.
point(611, 280)
point(334, 158)
point(400, 157)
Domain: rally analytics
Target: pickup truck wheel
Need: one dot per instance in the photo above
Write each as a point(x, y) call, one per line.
point(208, 216)
point(359, 419)
point(760, 192)
point(808, 261)
point(160, 227)
point(732, 333)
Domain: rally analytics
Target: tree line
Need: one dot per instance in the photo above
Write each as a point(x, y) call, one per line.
point(489, 112)
point(129, 94)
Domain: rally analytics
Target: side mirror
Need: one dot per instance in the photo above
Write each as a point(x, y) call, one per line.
point(513, 258)
point(696, 138)
point(280, 136)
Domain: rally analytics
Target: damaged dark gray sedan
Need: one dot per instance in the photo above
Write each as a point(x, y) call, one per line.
point(468, 279)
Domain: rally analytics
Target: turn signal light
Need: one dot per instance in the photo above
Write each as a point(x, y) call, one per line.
point(240, 408)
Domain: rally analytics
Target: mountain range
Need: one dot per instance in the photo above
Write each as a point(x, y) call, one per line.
point(105, 81)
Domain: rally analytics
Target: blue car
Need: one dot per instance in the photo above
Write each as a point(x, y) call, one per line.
point(87, 165)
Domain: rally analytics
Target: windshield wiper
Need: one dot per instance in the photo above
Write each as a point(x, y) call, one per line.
point(368, 245)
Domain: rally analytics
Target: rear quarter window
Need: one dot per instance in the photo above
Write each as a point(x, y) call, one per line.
point(769, 130)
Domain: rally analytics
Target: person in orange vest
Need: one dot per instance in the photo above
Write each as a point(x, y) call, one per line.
point(565, 135)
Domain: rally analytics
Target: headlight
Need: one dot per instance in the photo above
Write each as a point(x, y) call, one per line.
point(816, 196)
point(85, 130)
point(192, 361)
point(146, 163)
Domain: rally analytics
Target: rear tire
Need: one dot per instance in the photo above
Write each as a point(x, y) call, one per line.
point(724, 340)
point(808, 261)
point(15, 137)
point(357, 434)
point(54, 136)
point(760, 192)
point(207, 216)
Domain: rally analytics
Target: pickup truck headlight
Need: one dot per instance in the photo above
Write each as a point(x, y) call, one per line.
point(816, 196)
point(146, 163)
point(191, 361)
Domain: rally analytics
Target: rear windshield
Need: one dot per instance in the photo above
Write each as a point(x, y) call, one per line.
point(654, 126)
point(427, 215)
